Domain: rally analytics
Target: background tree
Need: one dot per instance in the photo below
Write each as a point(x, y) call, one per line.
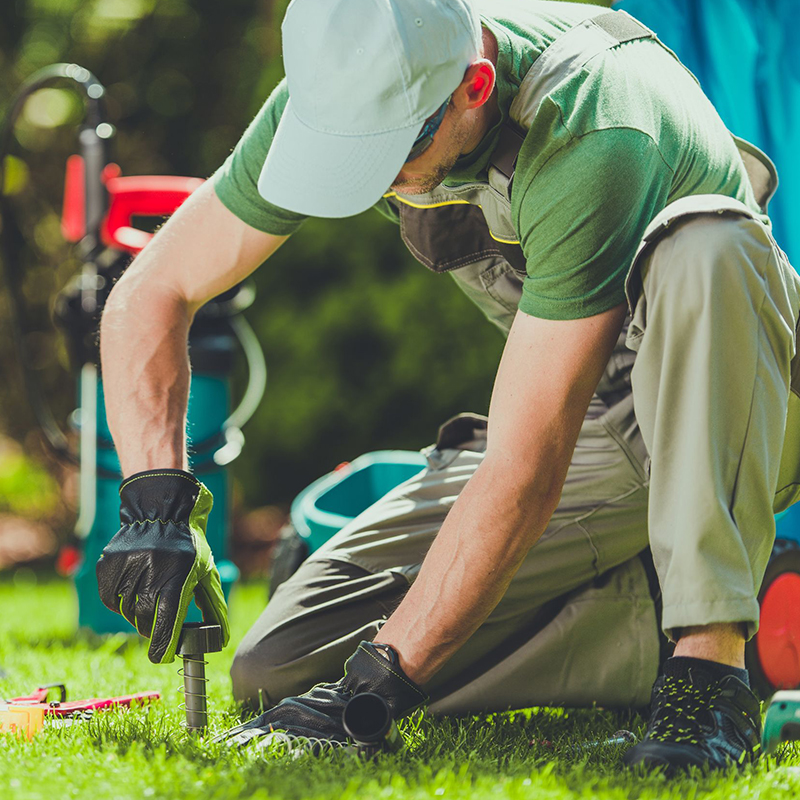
point(366, 348)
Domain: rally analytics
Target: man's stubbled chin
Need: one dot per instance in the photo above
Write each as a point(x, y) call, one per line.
point(420, 185)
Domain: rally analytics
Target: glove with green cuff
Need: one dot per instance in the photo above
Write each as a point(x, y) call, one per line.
point(159, 558)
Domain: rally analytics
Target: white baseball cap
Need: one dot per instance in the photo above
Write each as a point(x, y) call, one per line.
point(363, 76)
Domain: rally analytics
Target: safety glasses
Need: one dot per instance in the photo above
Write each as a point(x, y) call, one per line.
point(423, 141)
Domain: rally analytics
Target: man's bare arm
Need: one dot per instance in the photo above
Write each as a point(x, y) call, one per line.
point(202, 250)
point(545, 382)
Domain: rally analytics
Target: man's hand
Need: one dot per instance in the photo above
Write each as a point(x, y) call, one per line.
point(160, 558)
point(316, 716)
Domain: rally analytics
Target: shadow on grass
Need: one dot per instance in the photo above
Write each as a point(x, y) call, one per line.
point(540, 746)
point(501, 746)
point(83, 638)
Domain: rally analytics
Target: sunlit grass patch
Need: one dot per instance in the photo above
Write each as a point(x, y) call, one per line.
point(146, 752)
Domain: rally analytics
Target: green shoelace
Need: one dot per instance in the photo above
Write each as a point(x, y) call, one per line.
point(683, 706)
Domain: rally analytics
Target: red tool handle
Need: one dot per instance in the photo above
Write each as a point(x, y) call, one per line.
point(63, 709)
point(40, 695)
point(99, 703)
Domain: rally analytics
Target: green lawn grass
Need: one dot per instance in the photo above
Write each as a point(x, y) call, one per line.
point(145, 753)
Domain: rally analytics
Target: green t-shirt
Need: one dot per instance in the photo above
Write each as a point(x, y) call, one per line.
point(607, 150)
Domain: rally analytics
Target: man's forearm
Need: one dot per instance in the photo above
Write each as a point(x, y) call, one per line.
point(146, 375)
point(482, 543)
point(545, 382)
point(202, 251)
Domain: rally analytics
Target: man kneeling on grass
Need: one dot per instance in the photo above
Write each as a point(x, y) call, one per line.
point(571, 176)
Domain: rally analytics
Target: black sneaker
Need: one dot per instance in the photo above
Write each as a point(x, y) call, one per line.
point(700, 720)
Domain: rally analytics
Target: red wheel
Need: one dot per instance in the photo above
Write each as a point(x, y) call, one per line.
point(773, 656)
point(778, 641)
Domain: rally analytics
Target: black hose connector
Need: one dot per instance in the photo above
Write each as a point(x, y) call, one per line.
point(368, 721)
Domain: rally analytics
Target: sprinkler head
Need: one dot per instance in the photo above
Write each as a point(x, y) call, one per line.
point(196, 640)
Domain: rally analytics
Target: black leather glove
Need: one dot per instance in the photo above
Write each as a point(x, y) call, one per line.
point(159, 558)
point(317, 715)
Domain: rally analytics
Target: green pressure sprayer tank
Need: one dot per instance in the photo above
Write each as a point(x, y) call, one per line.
point(107, 216)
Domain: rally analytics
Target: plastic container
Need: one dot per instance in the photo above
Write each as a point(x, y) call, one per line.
point(787, 524)
point(330, 503)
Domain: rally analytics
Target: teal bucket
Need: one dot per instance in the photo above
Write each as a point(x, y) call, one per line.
point(330, 503)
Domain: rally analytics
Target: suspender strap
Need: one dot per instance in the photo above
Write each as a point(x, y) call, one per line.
point(504, 157)
point(556, 64)
point(623, 27)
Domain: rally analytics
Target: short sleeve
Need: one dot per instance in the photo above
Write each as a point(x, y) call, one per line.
point(581, 217)
point(236, 181)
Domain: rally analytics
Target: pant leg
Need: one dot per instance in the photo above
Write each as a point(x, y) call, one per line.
point(714, 328)
point(576, 626)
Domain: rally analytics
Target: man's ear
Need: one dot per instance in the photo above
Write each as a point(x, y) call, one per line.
point(477, 86)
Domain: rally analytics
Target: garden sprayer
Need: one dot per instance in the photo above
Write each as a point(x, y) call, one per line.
point(101, 212)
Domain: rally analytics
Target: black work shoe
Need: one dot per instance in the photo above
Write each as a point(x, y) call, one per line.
point(699, 720)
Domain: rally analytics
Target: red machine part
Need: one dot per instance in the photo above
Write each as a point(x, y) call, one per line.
point(128, 197)
point(62, 708)
point(73, 215)
point(778, 639)
point(68, 561)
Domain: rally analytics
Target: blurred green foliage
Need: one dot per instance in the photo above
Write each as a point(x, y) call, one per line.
point(366, 348)
point(26, 488)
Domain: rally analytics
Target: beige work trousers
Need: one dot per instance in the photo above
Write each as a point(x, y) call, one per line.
point(680, 451)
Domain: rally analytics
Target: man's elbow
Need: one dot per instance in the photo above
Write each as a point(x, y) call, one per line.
point(146, 285)
point(117, 304)
point(532, 490)
point(138, 301)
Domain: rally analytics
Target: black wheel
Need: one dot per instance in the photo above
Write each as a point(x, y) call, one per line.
point(772, 656)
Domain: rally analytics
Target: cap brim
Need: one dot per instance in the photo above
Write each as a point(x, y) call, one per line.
point(328, 175)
